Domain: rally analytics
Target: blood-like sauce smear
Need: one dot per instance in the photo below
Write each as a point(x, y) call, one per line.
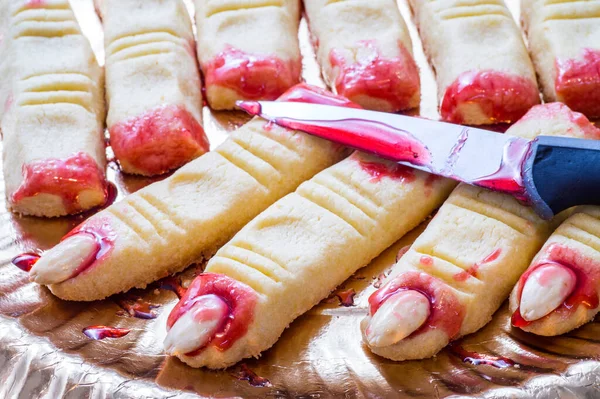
point(346, 297)
point(25, 261)
point(36, 3)
point(160, 140)
point(240, 299)
point(102, 332)
point(304, 93)
point(446, 312)
point(379, 170)
point(585, 292)
point(477, 359)
point(501, 97)
point(245, 374)
point(473, 270)
point(65, 178)
point(136, 306)
point(253, 77)
point(394, 80)
point(173, 284)
point(577, 82)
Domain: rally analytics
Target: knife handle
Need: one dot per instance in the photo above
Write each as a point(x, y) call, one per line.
point(562, 172)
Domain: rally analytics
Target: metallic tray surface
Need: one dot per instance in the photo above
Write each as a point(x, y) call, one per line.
point(44, 354)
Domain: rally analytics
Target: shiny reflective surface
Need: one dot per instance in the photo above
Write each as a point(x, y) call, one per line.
point(43, 350)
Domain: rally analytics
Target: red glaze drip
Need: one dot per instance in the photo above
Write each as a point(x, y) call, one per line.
point(162, 139)
point(585, 292)
point(477, 359)
point(99, 229)
point(472, 271)
point(426, 260)
point(102, 332)
point(245, 374)
point(253, 77)
point(552, 111)
point(379, 170)
point(65, 178)
point(401, 253)
point(577, 82)
point(135, 306)
point(172, 284)
point(25, 261)
point(501, 97)
point(240, 298)
point(346, 297)
point(447, 313)
point(394, 80)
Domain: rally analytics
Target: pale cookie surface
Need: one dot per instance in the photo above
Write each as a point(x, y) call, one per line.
point(483, 70)
point(168, 225)
point(248, 49)
point(365, 52)
point(298, 250)
point(564, 40)
point(469, 257)
point(51, 111)
point(153, 85)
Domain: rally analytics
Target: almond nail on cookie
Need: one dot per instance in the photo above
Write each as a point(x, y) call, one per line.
point(153, 85)
point(248, 49)
point(564, 41)
point(483, 70)
point(170, 224)
point(51, 111)
point(297, 251)
point(365, 52)
point(466, 261)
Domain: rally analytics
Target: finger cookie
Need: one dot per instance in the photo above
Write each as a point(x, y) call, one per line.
point(294, 254)
point(153, 85)
point(365, 52)
point(483, 71)
point(52, 111)
point(463, 266)
point(248, 49)
point(559, 292)
point(564, 39)
point(168, 225)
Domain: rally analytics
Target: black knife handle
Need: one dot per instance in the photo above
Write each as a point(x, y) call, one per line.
point(562, 172)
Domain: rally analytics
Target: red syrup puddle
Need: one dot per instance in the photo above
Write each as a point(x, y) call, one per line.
point(472, 271)
point(25, 261)
point(393, 80)
point(584, 293)
point(446, 312)
point(160, 140)
point(253, 77)
point(65, 178)
point(346, 297)
point(102, 332)
point(578, 82)
point(245, 374)
point(501, 97)
point(137, 307)
point(379, 170)
point(477, 359)
point(240, 298)
point(173, 284)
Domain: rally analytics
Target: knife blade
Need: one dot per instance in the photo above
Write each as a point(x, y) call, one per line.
point(526, 169)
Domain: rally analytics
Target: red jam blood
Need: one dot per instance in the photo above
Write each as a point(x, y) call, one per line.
point(65, 178)
point(253, 77)
point(379, 170)
point(240, 298)
point(502, 98)
point(136, 306)
point(426, 260)
point(172, 284)
point(478, 359)
point(102, 332)
point(35, 3)
point(25, 261)
point(585, 292)
point(303, 93)
point(578, 82)
point(346, 297)
point(472, 271)
point(394, 80)
point(245, 374)
point(160, 140)
point(447, 313)
point(551, 111)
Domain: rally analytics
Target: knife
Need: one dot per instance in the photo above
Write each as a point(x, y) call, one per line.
point(549, 173)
